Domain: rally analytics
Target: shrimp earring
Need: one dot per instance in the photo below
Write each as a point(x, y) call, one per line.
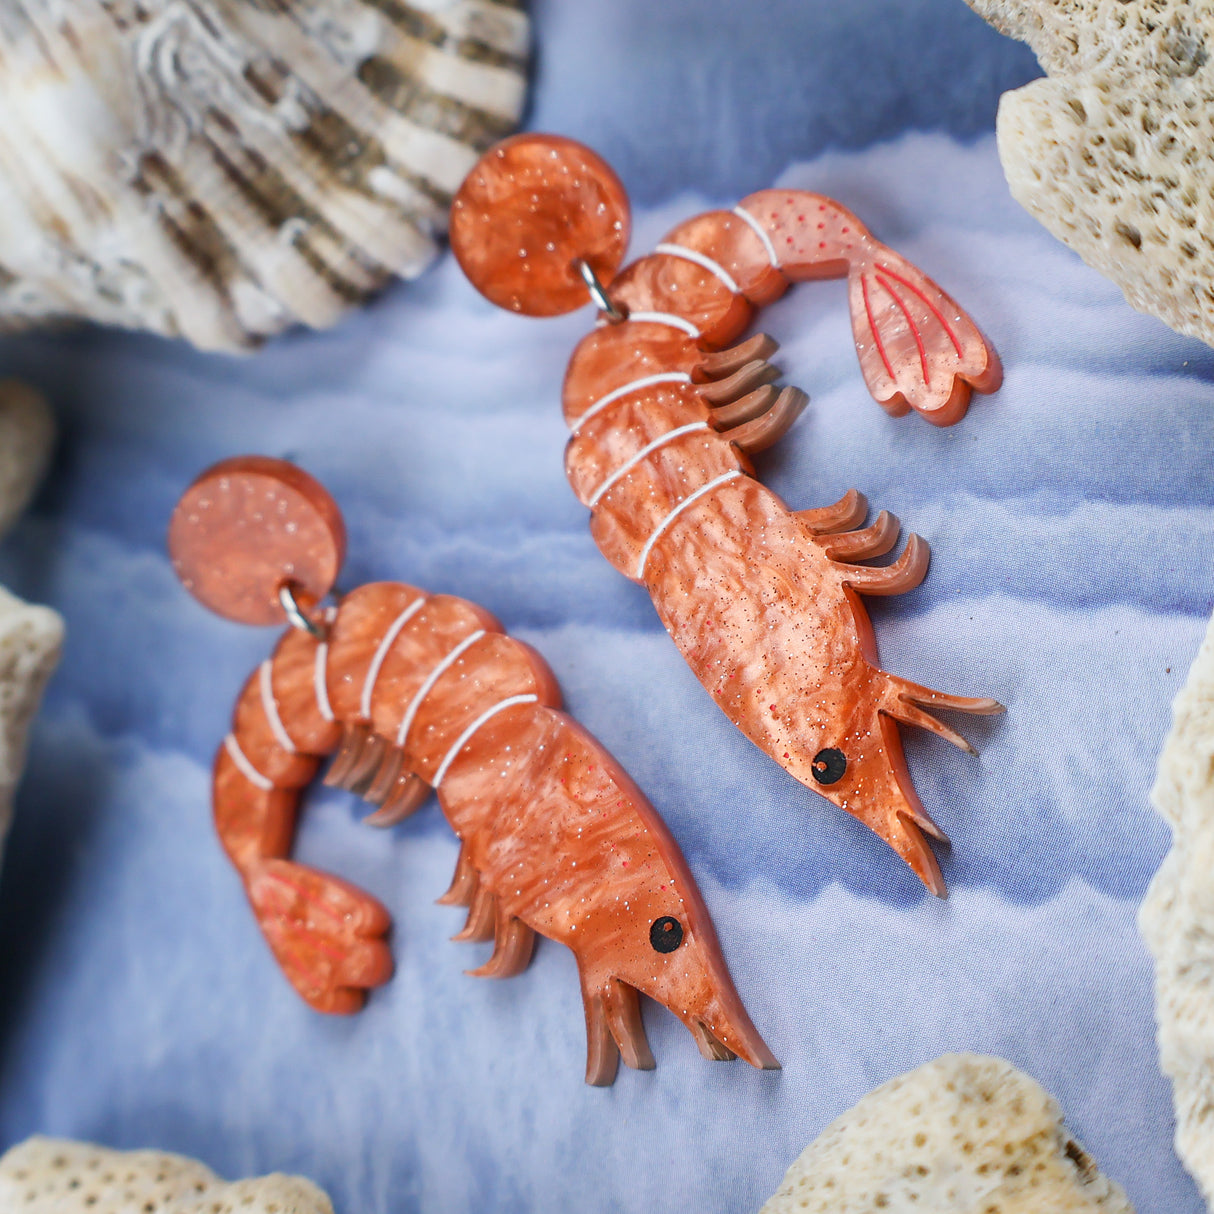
point(762, 602)
point(419, 692)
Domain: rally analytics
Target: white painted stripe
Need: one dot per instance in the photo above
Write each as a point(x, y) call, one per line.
point(627, 466)
point(269, 705)
point(649, 381)
point(702, 260)
point(320, 672)
point(246, 768)
point(432, 678)
point(665, 318)
point(687, 501)
point(761, 232)
point(382, 652)
point(462, 740)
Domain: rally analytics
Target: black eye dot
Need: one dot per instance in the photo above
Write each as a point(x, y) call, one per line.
point(829, 765)
point(666, 934)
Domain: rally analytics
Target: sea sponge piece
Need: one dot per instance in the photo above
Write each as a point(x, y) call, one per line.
point(1111, 152)
point(27, 434)
point(52, 1176)
point(31, 639)
point(1177, 918)
point(966, 1134)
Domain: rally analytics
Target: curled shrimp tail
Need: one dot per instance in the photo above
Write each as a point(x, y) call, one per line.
point(327, 935)
point(917, 348)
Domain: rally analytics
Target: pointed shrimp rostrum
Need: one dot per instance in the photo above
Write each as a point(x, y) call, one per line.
point(666, 403)
point(415, 693)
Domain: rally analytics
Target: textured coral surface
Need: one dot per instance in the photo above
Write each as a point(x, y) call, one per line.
point(51, 1176)
point(1177, 917)
point(1111, 152)
point(965, 1134)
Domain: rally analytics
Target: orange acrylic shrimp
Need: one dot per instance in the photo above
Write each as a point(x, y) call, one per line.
point(418, 693)
point(763, 602)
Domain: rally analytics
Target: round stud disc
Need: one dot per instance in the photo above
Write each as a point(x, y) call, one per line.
point(531, 207)
point(247, 526)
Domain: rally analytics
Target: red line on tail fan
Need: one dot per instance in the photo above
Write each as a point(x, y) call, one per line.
point(910, 286)
point(872, 324)
point(913, 328)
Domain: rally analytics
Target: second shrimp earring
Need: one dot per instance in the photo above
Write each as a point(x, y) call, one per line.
point(762, 602)
point(419, 692)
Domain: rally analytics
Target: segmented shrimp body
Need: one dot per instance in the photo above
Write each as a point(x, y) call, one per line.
point(419, 692)
point(765, 603)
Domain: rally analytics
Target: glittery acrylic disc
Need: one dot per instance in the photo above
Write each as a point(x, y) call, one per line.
point(248, 525)
point(532, 207)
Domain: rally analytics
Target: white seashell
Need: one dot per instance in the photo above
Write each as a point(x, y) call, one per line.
point(30, 637)
point(1112, 151)
point(222, 169)
point(52, 1176)
point(1177, 918)
point(966, 1134)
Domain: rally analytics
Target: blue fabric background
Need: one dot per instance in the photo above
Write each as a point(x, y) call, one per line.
point(1072, 523)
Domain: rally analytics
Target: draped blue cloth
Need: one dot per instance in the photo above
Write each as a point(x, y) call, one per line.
point(1071, 518)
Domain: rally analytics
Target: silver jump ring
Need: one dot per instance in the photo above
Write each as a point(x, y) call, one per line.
point(598, 292)
point(295, 613)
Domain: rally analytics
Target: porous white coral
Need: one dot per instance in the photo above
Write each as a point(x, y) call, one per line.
point(51, 1176)
point(1112, 151)
point(965, 1134)
point(1177, 918)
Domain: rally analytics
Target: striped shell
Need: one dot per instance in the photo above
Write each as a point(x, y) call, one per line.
point(222, 169)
